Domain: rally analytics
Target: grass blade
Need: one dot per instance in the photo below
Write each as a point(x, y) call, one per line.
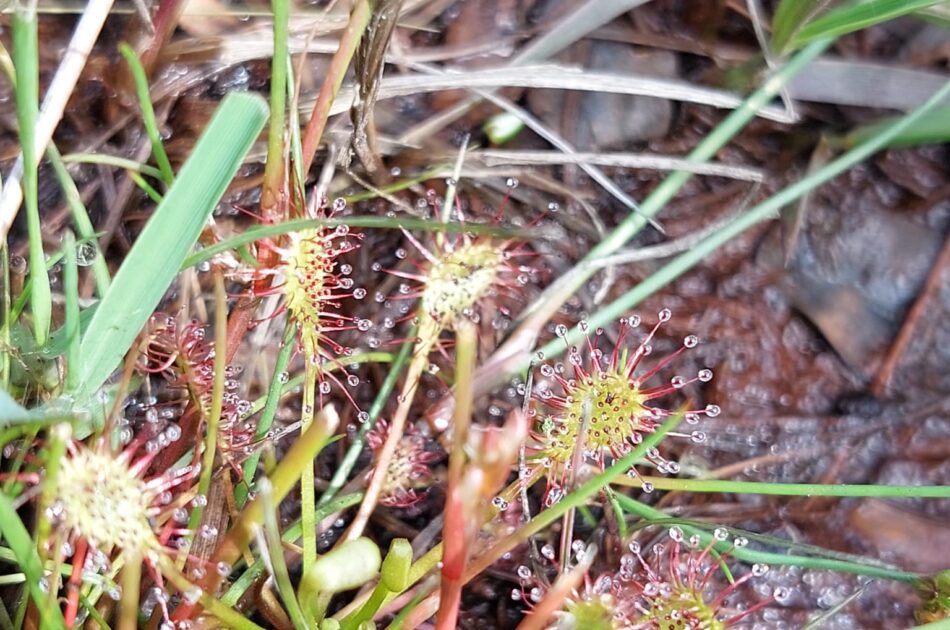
point(932, 128)
point(87, 232)
point(165, 241)
point(19, 541)
point(790, 16)
point(148, 113)
point(761, 212)
point(855, 17)
point(25, 51)
point(71, 326)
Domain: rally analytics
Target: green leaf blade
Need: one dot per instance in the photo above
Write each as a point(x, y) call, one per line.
point(855, 17)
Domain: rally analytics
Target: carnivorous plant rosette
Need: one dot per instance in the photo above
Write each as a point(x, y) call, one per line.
point(605, 407)
point(108, 506)
point(675, 589)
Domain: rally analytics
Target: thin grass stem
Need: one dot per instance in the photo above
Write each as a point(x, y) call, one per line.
point(71, 291)
point(274, 178)
point(420, 359)
point(266, 420)
point(356, 447)
point(100, 270)
point(276, 553)
point(792, 489)
point(748, 555)
point(112, 160)
point(25, 56)
point(297, 225)
point(307, 490)
point(148, 113)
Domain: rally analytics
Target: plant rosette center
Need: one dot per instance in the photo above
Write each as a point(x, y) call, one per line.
point(458, 280)
point(599, 613)
point(616, 411)
point(105, 502)
point(683, 609)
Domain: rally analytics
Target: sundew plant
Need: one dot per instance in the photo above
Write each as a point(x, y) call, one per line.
point(315, 317)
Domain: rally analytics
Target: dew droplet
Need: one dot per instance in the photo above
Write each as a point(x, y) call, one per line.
point(85, 254)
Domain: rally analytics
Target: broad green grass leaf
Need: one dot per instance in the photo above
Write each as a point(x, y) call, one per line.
point(855, 17)
point(17, 538)
point(10, 410)
point(168, 236)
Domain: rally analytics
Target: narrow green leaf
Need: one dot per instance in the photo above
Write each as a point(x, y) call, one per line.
point(87, 232)
point(932, 128)
point(25, 51)
point(390, 223)
point(761, 212)
point(790, 16)
point(148, 113)
point(114, 161)
point(71, 326)
point(19, 541)
point(169, 235)
point(855, 17)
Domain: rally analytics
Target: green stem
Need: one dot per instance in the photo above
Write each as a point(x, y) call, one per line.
point(796, 489)
point(71, 325)
point(297, 225)
point(270, 411)
point(307, 492)
point(5, 345)
point(763, 211)
point(244, 582)
point(148, 113)
point(561, 290)
point(382, 397)
point(83, 223)
point(114, 161)
point(25, 54)
point(276, 552)
point(748, 555)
